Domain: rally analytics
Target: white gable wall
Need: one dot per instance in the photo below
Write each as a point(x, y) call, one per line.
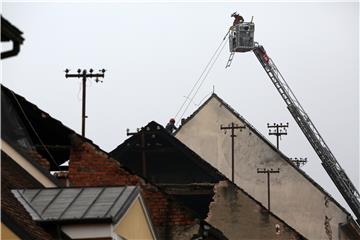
point(293, 197)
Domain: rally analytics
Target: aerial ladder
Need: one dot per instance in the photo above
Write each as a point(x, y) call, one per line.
point(241, 39)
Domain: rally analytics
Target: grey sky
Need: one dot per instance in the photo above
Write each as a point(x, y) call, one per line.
point(154, 53)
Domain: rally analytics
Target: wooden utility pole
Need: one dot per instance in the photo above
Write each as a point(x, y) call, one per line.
point(232, 126)
point(84, 75)
point(142, 145)
point(268, 172)
point(279, 129)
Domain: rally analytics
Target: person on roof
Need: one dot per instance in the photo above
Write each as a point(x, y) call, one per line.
point(238, 18)
point(170, 127)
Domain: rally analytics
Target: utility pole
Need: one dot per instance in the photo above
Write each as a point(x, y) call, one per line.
point(232, 126)
point(279, 129)
point(142, 145)
point(84, 75)
point(268, 172)
point(299, 161)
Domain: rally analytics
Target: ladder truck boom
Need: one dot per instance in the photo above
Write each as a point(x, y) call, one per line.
point(331, 166)
point(241, 39)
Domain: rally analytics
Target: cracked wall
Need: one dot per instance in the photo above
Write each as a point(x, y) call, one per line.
point(240, 217)
point(294, 198)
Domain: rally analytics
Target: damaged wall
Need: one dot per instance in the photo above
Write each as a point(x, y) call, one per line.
point(294, 198)
point(240, 217)
point(89, 166)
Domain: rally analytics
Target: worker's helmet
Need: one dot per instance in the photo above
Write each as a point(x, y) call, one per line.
point(172, 120)
point(234, 14)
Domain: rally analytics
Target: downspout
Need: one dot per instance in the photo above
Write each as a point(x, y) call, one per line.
point(13, 52)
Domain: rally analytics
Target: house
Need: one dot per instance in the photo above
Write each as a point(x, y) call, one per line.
point(30, 133)
point(296, 198)
point(33, 145)
point(89, 212)
point(16, 223)
point(91, 166)
point(174, 167)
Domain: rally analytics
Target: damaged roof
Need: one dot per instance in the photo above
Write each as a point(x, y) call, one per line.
point(165, 156)
point(26, 127)
point(160, 141)
point(77, 204)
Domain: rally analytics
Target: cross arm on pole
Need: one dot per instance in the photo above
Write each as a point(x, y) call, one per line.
point(264, 170)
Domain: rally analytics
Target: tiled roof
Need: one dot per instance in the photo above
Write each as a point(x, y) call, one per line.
point(69, 204)
point(13, 214)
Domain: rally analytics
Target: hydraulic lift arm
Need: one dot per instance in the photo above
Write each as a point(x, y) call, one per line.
point(332, 167)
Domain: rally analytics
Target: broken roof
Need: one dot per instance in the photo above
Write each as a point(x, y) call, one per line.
point(160, 141)
point(161, 152)
point(26, 126)
point(77, 204)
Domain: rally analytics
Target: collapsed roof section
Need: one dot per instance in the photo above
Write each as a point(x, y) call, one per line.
point(26, 128)
point(155, 153)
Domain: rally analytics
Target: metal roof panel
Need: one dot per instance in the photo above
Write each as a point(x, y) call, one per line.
point(61, 204)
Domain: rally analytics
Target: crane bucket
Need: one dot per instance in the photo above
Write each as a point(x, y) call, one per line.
point(241, 37)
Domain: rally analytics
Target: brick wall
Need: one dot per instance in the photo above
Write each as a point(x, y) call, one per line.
point(39, 159)
point(89, 166)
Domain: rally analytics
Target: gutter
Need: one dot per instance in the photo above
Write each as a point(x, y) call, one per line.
point(10, 33)
point(13, 52)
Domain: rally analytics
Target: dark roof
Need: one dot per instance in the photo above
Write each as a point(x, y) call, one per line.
point(167, 159)
point(48, 135)
point(22, 121)
point(166, 139)
point(9, 32)
point(13, 214)
point(263, 138)
point(80, 204)
point(164, 154)
point(54, 131)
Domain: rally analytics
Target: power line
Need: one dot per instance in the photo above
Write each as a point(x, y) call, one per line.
point(203, 80)
point(198, 80)
point(35, 132)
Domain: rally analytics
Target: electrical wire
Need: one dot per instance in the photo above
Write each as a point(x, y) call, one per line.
point(33, 129)
point(206, 67)
point(207, 73)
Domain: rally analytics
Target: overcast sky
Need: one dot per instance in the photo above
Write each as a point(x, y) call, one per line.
point(155, 52)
